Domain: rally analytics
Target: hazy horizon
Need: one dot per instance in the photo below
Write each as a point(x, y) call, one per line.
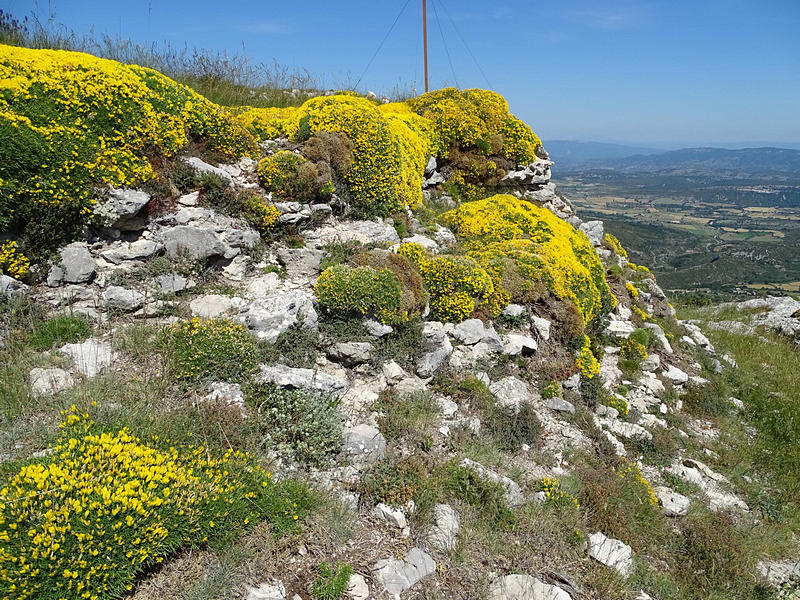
point(678, 72)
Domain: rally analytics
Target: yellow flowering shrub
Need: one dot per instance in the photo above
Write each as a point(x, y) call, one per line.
point(216, 349)
point(84, 521)
point(632, 350)
point(264, 123)
point(13, 262)
point(586, 362)
point(288, 176)
point(263, 215)
point(374, 180)
point(555, 495)
point(69, 120)
point(631, 289)
point(632, 472)
point(542, 246)
point(417, 141)
point(471, 118)
point(456, 285)
point(358, 291)
point(613, 243)
point(620, 404)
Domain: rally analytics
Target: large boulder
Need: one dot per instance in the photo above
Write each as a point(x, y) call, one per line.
point(120, 209)
point(77, 264)
point(195, 243)
point(510, 392)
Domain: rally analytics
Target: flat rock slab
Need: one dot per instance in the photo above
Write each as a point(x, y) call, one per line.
point(525, 587)
point(213, 306)
point(267, 591)
point(90, 357)
point(363, 444)
point(672, 503)
point(307, 379)
point(510, 392)
point(46, 382)
point(612, 553)
point(397, 576)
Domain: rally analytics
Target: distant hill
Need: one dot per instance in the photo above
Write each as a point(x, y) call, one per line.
point(568, 154)
point(747, 162)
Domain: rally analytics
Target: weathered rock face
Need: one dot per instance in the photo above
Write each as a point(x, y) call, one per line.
point(77, 264)
point(511, 392)
point(612, 553)
point(269, 317)
point(90, 357)
point(525, 587)
point(396, 576)
point(446, 523)
point(120, 209)
point(364, 444)
point(308, 379)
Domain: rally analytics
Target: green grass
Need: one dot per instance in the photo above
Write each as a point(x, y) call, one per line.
point(58, 331)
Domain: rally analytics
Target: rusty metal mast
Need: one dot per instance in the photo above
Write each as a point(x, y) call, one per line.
point(425, 39)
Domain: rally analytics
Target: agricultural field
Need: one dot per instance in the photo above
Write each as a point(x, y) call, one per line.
point(724, 238)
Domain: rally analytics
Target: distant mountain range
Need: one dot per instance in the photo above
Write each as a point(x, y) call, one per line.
point(583, 156)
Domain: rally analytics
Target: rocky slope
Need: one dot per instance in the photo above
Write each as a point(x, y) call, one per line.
point(541, 443)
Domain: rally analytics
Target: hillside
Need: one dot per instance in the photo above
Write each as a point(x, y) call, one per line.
point(355, 349)
point(746, 163)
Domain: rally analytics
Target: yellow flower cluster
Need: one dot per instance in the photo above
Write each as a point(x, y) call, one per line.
point(375, 178)
point(633, 350)
point(504, 230)
point(13, 262)
point(632, 289)
point(416, 140)
point(638, 268)
point(641, 314)
point(620, 404)
point(84, 521)
point(476, 118)
point(586, 362)
point(632, 470)
point(613, 243)
point(265, 123)
point(392, 142)
point(457, 285)
point(69, 120)
point(554, 494)
point(213, 349)
point(263, 215)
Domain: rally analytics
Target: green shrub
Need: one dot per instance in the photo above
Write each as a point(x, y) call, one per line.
point(395, 481)
point(58, 331)
point(511, 428)
point(640, 336)
point(304, 426)
point(488, 497)
point(295, 347)
point(716, 560)
point(710, 400)
point(289, 176)
point(552, 390)
point(407, 415)
point(465, 389)
point(331, 584)
point(211, 350)
point(247, 205)
point(106, 505)
point(361, 291)
point(414, 297)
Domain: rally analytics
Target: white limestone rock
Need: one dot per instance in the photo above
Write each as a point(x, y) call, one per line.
point(612, 553)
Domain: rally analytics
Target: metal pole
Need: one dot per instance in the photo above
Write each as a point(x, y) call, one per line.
point(425, 39)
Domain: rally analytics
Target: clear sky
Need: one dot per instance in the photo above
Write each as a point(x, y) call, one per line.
point(672, 73)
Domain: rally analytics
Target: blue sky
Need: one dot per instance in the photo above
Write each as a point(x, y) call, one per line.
point(666, 73)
